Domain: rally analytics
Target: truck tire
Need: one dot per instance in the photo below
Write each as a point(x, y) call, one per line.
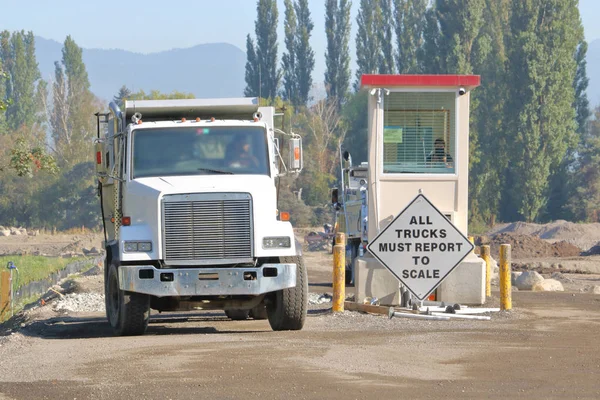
point(237, 315)
point(259, 312)
point(287, 309)
point(128, 313)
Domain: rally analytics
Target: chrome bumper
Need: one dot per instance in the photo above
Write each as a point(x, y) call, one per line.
point(206, 281)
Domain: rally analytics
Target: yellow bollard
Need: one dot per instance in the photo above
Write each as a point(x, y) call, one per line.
point(339, 272)
point(505, 285)
point(4, 294)
point(485, 254)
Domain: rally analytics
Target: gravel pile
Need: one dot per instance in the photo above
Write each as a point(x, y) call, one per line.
point(80, 302)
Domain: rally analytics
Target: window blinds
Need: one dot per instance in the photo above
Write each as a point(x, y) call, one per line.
point(412, 124)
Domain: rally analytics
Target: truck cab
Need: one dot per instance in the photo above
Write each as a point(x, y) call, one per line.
point(189, 203)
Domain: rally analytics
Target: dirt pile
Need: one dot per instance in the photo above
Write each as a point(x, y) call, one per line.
point(524, 246)
point(583, 236)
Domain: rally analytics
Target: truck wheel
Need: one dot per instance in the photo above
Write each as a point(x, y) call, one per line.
point(237, 315)
point(128, 313)
point(287, 309)
point(259, 312)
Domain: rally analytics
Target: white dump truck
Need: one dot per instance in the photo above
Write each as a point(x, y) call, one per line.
point(189, 205)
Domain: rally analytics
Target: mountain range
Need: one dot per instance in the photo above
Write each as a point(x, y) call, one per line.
point(206, 70)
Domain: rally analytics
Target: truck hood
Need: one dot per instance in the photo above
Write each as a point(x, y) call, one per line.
point(206, 183)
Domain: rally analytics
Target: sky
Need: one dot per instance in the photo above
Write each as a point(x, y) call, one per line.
point(147, 26)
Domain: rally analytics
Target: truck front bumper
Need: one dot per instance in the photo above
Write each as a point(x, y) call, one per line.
point(206, 281)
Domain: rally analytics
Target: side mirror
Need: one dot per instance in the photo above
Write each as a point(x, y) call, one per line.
point(334, 196)
point(347, 157)
point(296, 163)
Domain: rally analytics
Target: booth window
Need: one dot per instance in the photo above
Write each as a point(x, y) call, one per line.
point(419, 133)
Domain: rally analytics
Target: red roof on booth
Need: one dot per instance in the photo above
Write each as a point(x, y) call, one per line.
point(468, 81)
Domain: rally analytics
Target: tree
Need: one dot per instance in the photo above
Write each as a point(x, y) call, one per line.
point(337, 57)
point(124, 94)
point(252, 70)
point(386, 58)
point(409, 26)
point(158, 95)
point(18, 53)
point(491, 157)
point(288, 60)
point(72, 120)
point(581, 82)
point(584, 204)
point(368, 45)
point(429, 58)
point(544, 37)
point(266, 48)
point(323, 131)
point(305, 55)
point(563, 179)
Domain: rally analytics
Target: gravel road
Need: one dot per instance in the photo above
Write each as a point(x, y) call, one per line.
point(546, 348)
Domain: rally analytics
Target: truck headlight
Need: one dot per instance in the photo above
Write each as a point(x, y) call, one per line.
point(277, 242)
point(131, 247)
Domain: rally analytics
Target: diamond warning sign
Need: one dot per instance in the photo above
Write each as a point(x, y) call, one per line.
point(420, 247)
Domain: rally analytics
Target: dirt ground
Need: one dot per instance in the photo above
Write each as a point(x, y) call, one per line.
point(50, 245)
point(547, 347)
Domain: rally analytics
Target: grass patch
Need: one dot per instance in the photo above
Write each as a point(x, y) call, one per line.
point(33, 268)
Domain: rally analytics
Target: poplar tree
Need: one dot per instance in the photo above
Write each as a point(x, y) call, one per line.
point(266, 48)
point(368, 46)
point(409, 24)
point(305, 55)
point(429, 55)
point(544, 38)
point(386, 38)
point(252, 70)
point(288, 60)
point(18, 51)
point(72, 122)
point(337, 57)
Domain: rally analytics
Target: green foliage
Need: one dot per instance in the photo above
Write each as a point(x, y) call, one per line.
point(356, 119)
point(17, 52)
point(266, 48)
point(34, 268)
point(26, 160)
point(158, 95)
point(409, 25)
point(368, 44)
point(124, 94)
point(584, 204)
point(544, 37)
point(252, 70)
point(288, 61)
point(386, 38)
point(72, 115)
point(305, 55)
point(72, 200)
point(337, 57)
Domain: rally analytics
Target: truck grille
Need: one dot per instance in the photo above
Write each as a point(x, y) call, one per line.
point(211, 228)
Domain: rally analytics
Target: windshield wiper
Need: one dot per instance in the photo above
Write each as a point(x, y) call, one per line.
point(216, 171)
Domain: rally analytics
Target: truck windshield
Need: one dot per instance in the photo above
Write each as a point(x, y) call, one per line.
point(200, 150)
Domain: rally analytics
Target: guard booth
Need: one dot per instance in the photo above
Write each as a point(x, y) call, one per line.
point(418, 140)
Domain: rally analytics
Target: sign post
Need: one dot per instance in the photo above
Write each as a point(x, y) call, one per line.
point(420, 247)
